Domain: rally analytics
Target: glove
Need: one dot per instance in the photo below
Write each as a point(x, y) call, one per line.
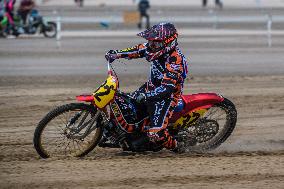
point(111, 55)
point(141, 98)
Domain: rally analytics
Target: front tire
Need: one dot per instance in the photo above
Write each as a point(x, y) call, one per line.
point(58, 133)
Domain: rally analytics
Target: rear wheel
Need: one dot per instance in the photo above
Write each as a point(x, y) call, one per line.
point(68, 130)
point(50, 30)
point(211, 130)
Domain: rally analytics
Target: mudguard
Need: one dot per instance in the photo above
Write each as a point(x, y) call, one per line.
point(85, 98)
point(196, 102)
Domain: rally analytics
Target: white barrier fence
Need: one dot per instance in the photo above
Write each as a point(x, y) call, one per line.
point(215, 20)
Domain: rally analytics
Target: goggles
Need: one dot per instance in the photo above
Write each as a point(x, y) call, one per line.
point(155, 45)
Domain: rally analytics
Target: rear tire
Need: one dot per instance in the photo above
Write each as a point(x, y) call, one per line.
point(218, 134)
point(50, 31)
point(54, 135)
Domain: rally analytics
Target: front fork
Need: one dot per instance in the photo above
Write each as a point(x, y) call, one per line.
point(74, 132)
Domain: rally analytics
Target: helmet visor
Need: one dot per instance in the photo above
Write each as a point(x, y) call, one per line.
point(155, 46)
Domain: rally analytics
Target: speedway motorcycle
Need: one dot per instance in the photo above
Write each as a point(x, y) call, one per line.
point(35, 23)
point(110, 118)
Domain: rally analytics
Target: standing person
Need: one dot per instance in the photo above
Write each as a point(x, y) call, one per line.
point(9, 7)
point(160, 94)
point(204, 3)
point(143, 6)
point(9, 13)
point(24, 9)
point(79, 3)
point(217, 3)
point(2, 10)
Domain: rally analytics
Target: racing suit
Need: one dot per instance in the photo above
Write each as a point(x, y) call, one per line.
point(162, 90)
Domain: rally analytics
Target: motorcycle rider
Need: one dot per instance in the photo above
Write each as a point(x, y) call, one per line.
point(161, 92)
point(25, 8)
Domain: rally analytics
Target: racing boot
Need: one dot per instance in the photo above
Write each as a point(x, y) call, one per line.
point(139, 145)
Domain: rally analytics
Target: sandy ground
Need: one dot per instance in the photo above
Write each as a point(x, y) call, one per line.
point(36, 75)
point(252, 158)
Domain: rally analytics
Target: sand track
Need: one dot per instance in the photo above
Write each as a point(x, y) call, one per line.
point(253, 157)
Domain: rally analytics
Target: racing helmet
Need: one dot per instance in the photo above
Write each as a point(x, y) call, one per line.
point(162, 38)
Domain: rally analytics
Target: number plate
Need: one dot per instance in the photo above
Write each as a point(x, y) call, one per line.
point(190, 118)
point(105, 93)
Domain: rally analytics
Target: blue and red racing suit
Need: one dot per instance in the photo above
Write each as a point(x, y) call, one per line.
point(162, 90)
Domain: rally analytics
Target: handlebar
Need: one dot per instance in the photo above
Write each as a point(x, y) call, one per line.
point(112, 72)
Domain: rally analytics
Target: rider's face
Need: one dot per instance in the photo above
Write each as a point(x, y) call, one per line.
point(155, 45)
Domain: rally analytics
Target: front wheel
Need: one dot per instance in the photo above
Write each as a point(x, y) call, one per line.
point(212, 129)
point(68, 130)
point(50, 30)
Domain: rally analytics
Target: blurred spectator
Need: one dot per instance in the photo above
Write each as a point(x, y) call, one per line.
point(9, 10)
point(79, 3)
point(2, 9)
point(143, 6)
point(25, 8)
point(217, 3)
